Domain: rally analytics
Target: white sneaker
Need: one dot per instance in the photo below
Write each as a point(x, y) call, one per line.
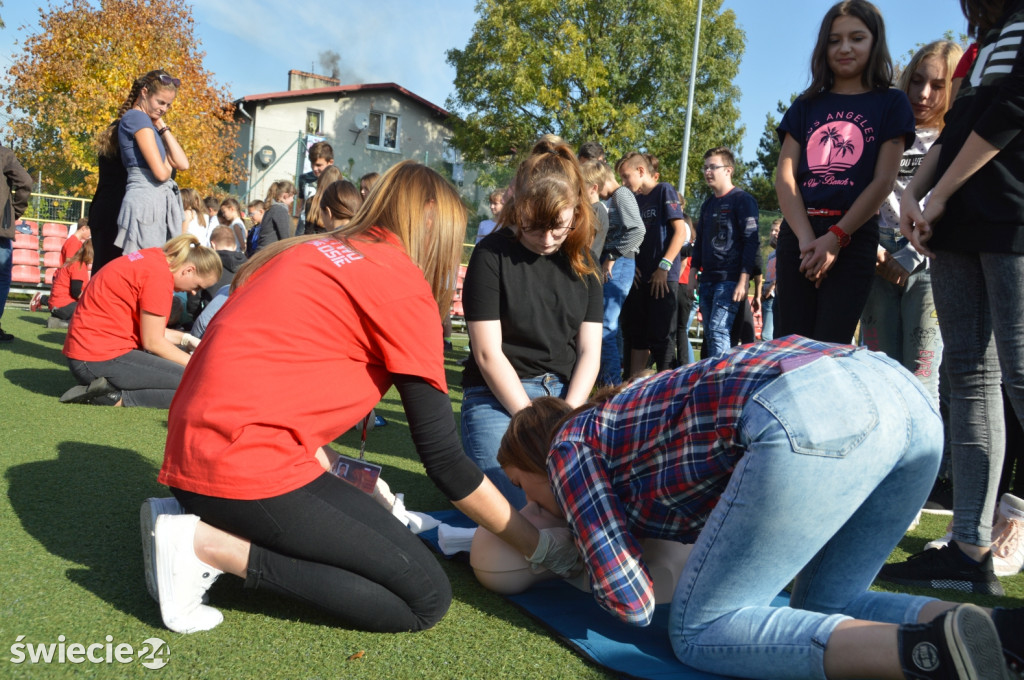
point(181, 577)
point(1008, 536)
point(150, 510)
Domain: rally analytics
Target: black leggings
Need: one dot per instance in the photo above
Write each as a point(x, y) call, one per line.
point(829, 313)
point(332, 546)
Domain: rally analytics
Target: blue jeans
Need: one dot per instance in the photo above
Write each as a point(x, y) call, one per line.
point(839, 456)
point(718, 311)
point(6, 267)
point(484, 421)
point(615, 291)
point(981, 314)
point(768, 318)
point(901, 321)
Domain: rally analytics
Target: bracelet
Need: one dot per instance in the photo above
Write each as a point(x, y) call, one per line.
point(161, 131)
point(665, 264)
point(841, 236)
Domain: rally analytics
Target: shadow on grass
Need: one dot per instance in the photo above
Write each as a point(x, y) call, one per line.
point(31, 348)
point(53, 337)
point(51, 382)
point(84, 507)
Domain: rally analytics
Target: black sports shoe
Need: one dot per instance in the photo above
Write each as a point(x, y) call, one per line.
point(1010, 626)
point(5, 337)
point(84, 394)
point(947, 568)
point(961, 644)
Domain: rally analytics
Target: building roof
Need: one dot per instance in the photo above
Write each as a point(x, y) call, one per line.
point(343, 90)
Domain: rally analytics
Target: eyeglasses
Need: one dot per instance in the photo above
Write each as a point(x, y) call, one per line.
point(555, 231)
point(712, 168)
point(168, 80)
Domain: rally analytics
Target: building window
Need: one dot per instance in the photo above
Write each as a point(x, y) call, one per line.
point(452, 159)
point(383, 131)
point(314, 122)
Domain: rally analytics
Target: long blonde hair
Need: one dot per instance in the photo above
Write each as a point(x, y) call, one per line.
point(949, 53)
point(186, 249)
point(417, 205)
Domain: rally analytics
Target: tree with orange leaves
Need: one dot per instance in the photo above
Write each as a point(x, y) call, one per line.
point(77, 69)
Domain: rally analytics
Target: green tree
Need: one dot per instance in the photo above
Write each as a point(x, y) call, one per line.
point(75, 71)
point(615, 71)
point(759, 179)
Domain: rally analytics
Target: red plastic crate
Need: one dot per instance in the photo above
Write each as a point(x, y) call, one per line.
point(55, 229)
point(25, 256)
point(23, 273)
point(53, 244)
point(26, 241)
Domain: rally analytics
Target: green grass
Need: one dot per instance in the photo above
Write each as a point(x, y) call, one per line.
point(70, 562)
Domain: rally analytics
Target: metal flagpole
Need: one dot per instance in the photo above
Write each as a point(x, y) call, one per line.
point(689, 101)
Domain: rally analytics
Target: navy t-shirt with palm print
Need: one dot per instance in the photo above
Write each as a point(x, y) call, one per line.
point(841, 135)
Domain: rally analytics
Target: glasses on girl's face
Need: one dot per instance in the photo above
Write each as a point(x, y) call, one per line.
point(557, 232)
point(168, 80)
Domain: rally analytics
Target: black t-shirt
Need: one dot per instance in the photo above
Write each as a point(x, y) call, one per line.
point(984, 215)
point(539, 300)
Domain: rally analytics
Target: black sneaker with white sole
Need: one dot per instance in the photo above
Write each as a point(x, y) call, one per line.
point(947, 568)
point(962, 644)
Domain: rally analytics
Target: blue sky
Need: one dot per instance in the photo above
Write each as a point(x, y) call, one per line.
point(251, 45)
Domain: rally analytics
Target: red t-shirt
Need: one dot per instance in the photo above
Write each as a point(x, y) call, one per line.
point(60, 291)
point(294, 358)
point(108, 319)
point(70, 247)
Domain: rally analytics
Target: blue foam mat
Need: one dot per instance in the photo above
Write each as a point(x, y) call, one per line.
point(576, 618)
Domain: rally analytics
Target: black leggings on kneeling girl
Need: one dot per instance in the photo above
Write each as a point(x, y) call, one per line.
point(332, 546)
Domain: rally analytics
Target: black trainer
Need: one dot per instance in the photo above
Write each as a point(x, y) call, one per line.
point(5, 337)
point(962, 644)
point(1010, 626)
point(84, 394)
point(947, 568)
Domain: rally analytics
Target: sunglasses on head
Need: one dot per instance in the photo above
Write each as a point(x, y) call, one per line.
point(168, 80)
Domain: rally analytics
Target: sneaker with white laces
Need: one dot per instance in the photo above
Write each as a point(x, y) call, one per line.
point(961, 644)
point(150, 510)
point(1008, 536)
point(36, 303)
point(181, 577)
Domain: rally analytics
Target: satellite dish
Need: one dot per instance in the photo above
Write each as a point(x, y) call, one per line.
point(362, 122)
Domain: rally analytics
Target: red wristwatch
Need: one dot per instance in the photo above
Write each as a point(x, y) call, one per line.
point(844, 238)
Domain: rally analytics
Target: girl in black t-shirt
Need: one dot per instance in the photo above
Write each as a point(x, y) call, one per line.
point(533, 304)
point(842, 141)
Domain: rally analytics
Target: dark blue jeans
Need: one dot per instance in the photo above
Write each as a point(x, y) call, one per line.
point(6, 266)
point(332, 546)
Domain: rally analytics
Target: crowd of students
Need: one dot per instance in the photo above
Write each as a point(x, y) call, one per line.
point(802, 458)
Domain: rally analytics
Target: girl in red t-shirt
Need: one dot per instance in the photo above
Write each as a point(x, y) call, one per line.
point(69, 281)
point(246, 451)
point(119, 347)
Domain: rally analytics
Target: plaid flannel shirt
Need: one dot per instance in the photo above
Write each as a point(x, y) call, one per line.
point(652, 462)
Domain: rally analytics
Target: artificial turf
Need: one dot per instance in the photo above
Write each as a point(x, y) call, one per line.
point(73, 477)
